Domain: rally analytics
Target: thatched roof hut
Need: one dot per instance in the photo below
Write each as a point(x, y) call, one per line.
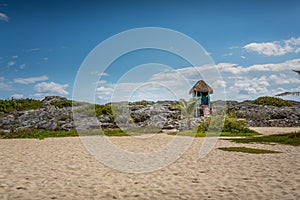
point(201, 86)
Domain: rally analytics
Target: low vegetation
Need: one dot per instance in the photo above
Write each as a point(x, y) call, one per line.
point(62, 104)
point(10, 105)
point(231, 127)
point(41, 133)
point(96, 110)
point(210, 134)
point(115, 132)
point(272, 101)
point(143, 130)
point(288, 139)
point(143, 103)
point(37, 133)
point(247, 150)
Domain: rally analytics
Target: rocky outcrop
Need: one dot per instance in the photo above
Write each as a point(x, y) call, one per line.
point(265, 116)
point(163, 115)
point(47, 117)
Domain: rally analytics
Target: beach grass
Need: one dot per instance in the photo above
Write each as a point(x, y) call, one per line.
point(247, 150)
point(212, 134)
point(41, 133)
point(292, 138)
point(37, 133)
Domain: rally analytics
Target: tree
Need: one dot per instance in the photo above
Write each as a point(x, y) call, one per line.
point(187, 109)
point(290, 93)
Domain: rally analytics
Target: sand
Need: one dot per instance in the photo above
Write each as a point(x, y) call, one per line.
point(61, 168)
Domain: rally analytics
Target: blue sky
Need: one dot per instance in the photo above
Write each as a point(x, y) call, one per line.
point(254, 45)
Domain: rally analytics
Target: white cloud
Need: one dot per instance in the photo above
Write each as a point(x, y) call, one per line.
point(15, 56)
point(99, 73)
point(22, 66)
point(219, 83)
point(3, 17)
point(103, 74)
point(51, 88)
point(268, 48)
point(251, 86)
point(275, 48)
point(11, 63)
point(283, 79)
point(227, 54)
point(30, 79)
point(3, 85)
point(238, 82)
point(33, 49)
point(271, 67)
point(101, 82)
point(104, 90)
point(17, 96)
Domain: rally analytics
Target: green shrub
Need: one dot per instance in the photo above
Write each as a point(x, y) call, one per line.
point(9, 105)
point(104, 110)
point(97, 110)
point(143, 103)
point(63, 117)
point(233, 125)
point(248, 150)
point(288, 139)
point(271, 101)
point(230, 125)
point(62, 104)
point(88, 109)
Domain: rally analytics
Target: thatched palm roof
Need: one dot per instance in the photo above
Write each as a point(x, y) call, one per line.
point(201, 86)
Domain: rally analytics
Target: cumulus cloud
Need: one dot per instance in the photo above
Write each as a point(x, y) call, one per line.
point(97, 73)
point(30, 79)
point(51, 88)
point(270, 67)
point(22, 66)
point(251, 86)
point(4, 85)
point(283, 79)
point(236, 81)
point(219, 83)
point(33, 49)
point(3, 17)
point(17, 96)
point(11, 63)
point(275, 48)
point(104, 90)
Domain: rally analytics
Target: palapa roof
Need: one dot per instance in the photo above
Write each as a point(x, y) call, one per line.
point(201, 86)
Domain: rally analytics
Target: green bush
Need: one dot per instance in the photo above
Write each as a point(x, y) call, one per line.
point(230, 125)
point(9, 105)
point(97, 110)
point(233, 125)
point(62, 104)
point(104, 110)
point(63, 117)
point(143, 103)
point(271, 101)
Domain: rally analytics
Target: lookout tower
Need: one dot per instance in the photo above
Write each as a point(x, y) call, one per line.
point(201, 91)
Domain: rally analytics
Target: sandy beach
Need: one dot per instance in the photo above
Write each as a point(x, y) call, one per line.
point(61, 168)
